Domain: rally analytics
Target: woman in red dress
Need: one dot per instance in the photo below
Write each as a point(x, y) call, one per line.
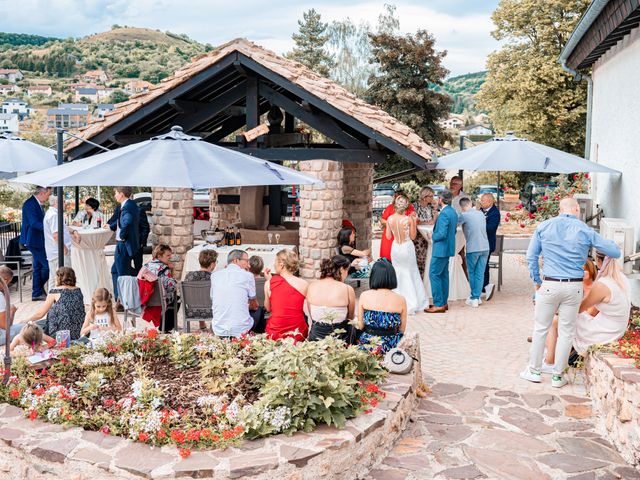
point(385, 243)
point(284, 296)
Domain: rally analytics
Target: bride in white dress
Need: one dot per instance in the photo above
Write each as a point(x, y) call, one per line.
point(403, 256)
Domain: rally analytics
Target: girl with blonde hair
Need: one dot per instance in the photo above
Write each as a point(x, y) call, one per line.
point(102, 316)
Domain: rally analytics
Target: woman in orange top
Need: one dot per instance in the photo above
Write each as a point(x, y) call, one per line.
point(385, 243)
point(284, 296)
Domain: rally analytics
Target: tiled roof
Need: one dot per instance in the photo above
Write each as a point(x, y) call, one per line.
point(320, 87)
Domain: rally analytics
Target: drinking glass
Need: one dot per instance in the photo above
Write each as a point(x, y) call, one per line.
point(270, 236)
point(277, 238)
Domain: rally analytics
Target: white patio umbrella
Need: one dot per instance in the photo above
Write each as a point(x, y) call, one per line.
point(513, 154)
point(173, 160)
point(20, 155)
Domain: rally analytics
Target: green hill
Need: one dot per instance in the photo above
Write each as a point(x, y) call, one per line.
point(123, 52)
point(463, 89)
point(16, 39)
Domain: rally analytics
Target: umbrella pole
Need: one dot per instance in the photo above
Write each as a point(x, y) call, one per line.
point(498, 190)
point(9, 322)
point(60, 194)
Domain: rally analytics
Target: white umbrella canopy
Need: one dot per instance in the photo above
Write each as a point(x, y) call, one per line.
point(20, 155)
point(173, 160)
point(513, 154)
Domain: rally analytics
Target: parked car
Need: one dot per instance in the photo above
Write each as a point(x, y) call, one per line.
point(437, 190)
point(533, 190)
point(143, 199)
point(492, 189)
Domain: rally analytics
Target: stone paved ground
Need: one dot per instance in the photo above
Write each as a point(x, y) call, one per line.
point(480, 420)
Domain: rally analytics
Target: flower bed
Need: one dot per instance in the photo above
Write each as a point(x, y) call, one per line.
point(198, 391)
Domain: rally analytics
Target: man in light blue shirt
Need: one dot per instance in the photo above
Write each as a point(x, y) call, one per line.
point(564, 243)
point(233, 293)
point(474, 226)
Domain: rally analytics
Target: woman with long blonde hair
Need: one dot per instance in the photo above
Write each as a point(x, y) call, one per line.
point(610, 295)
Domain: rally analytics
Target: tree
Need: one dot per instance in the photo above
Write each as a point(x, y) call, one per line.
point(310, 44)
point(407, 65)
point(118, 96)
point(526, 90)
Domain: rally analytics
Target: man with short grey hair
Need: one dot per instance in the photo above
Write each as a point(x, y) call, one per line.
point(233, 294)
point(474, 227)
point(564, 242)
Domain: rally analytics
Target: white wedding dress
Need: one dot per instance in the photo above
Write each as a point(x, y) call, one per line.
point(403, 257)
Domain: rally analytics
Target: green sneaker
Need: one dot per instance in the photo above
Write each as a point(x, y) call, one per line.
point(558, 381)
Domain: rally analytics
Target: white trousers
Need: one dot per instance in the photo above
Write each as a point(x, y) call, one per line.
point(53, 267)
point(563, 298)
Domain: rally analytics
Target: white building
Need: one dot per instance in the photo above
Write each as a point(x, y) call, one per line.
point(9, 123)
point(606, 46)
point(452, 122)
point(475, 130)
point(12, 74)
point(102, 109)
point(17, 106)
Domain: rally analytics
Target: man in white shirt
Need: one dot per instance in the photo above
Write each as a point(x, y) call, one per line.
point(7, 275)
point(455, 186)
point(50, 223)
point(233, 293)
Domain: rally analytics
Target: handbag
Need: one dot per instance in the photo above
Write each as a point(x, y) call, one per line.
point(398, 361)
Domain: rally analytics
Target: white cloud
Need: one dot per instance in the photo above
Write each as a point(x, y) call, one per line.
point(466, 37)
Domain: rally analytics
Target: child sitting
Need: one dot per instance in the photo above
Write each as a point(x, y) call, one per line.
point(30, 340)
point(101, 317)
point(260, 275)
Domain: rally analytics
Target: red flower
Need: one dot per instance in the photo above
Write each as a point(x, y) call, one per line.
point(372, 388)
point(228, 434)
point(193, 435)
point(374, 402)
point(531, 215)
point(143, 437)
point(108, 402)
point(544, 197)
point(205, 433)
point(160, 434)
point(184, 452)
point(105, 429)
point(586, 175)
point(522, 225)
point(177, 436)
point(293, 374)
point(152, 333)
point(519, 206)
point(575, 177)
point(239, 429)
point(113, 348)
point(33, 414)
point(38, 391)
point(14, 393)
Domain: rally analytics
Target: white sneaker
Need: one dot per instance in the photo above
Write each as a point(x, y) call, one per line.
point(558, 381)
point(472, 303)
point(528, 374)
point(547, 368)
point(489, 290)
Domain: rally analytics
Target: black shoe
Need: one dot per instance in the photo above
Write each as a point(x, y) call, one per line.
point(119, 307)
point(40, 298)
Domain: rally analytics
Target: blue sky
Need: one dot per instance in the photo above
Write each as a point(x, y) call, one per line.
point(462, 27)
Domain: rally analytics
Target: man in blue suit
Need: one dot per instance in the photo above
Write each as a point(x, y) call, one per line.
point(125, 222)
point(492, 215)
point(32, 237)
point(444, 247)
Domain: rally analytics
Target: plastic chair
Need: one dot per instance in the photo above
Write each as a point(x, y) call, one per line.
point(195, 295)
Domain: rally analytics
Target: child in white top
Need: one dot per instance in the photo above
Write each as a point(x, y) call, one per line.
point(30, 340)
point(102, 316)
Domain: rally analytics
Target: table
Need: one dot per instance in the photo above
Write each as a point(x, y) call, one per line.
point(266, 251)
point(458, 284)
point(89, 262)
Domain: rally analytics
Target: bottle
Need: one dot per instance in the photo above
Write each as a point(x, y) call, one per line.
point(238, 238)
point(233, 238)
point(227, 237)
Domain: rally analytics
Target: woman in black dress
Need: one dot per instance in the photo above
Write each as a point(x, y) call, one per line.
point(64, 306)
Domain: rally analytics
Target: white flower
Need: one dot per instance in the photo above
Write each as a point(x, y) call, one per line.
point(136, 388)
point(53, 413)
point(279, 418)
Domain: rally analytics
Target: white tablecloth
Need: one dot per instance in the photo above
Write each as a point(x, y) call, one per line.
point(266, 252)
point(89, 262)
point(458, 284)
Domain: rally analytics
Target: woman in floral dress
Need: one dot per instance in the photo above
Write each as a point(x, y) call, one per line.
point(382, 313)
point(427, 214)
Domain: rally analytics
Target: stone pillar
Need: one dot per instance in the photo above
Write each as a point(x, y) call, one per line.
point(320, 215)
point(173, 221)
point(223, 215)
point(357, 200)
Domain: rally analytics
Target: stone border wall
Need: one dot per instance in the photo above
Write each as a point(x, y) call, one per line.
point(327, 452)
point(614, 387)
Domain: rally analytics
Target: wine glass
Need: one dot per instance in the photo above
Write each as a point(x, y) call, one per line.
point(277, 238)
point(270, 236)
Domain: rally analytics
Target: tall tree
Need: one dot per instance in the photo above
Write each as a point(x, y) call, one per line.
point(407, 66)
point(526, 89)
point(310, 42)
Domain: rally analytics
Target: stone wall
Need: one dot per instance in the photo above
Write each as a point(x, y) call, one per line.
point(614, 386)
point(173, 221)
point(223, 215)
point(357, 199)
point(321, 211)
point(326, 452)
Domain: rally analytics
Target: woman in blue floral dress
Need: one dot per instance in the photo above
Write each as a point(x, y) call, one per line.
point(382, 312)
